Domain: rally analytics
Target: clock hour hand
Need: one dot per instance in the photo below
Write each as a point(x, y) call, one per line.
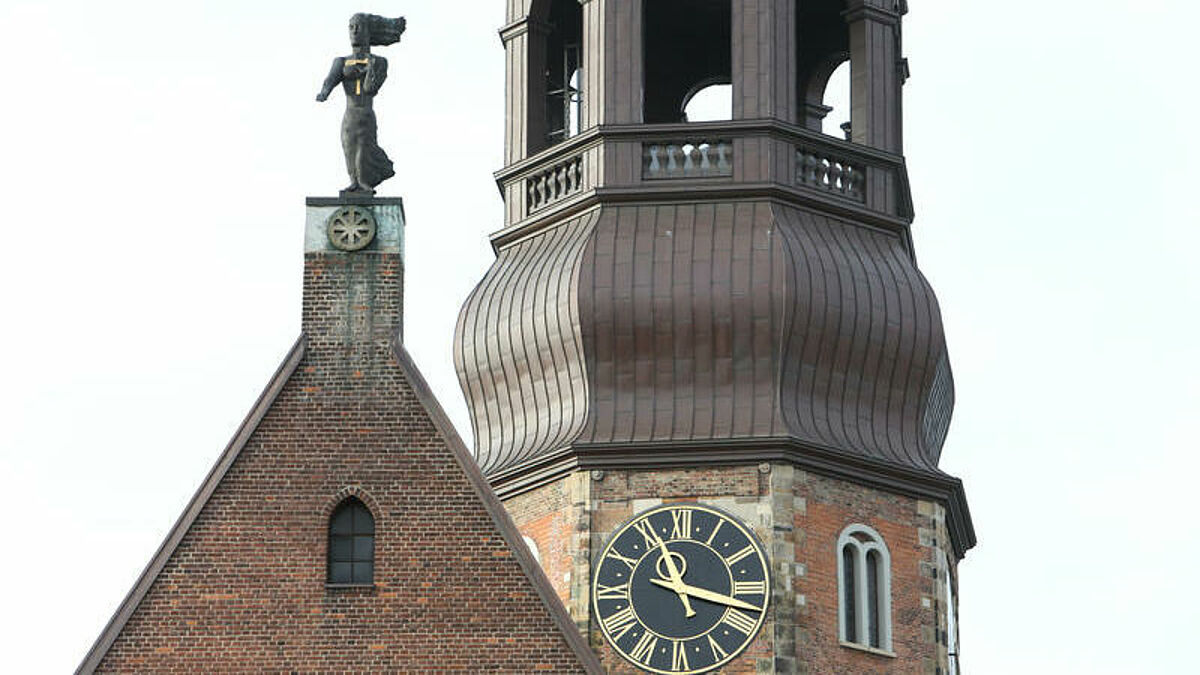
point(704, 594)
point(676, 580)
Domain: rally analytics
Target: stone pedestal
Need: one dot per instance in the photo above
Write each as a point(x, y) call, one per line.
point(353, 279)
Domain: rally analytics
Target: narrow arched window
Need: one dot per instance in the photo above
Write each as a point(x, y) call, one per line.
point(351, 544)
point(951, 620)
point(864, 589)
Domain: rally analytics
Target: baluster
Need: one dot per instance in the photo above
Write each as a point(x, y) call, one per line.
point(654, 169)
point(822, 176)
point(809, 169)
point(705, 165)
point(835, 176)
point(672, 165)
point(689, 166)
point(560, 183)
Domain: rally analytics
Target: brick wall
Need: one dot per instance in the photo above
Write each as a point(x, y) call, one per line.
point(799, 516)
point(245, 589)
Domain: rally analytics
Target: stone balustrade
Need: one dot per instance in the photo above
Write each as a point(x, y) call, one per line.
point(734, 158)
point(554, 184)
point(687, 159)
point(826, 171)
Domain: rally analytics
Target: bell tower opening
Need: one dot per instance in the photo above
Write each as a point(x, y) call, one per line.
point(564, 95)
point(687, 48)
point(823, 50)
point(713, 103)
point(849, 59)
point(837, 100)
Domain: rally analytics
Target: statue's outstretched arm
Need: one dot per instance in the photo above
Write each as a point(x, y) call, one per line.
point(333, 79)
point(376, 74)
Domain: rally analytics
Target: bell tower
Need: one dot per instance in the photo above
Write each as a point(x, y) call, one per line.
point(726, 314)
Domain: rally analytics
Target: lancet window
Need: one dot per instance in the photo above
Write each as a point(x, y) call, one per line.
point(351, 544)
point(864, 589)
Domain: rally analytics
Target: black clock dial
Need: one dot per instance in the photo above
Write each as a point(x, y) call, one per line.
point(681, 588)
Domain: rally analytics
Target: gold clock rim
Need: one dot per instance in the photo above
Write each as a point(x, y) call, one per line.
point(760, 551)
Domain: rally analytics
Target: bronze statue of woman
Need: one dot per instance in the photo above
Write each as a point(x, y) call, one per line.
point(361, 75)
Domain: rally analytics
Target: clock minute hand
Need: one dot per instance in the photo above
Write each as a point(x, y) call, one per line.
point(704, 594)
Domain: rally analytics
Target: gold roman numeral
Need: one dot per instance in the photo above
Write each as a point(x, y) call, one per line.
point(739, 622)
point(717, 652)
point(646, 528)
point(618, 592)
point(737, 557)
point(681, 523)
point(679, 656)
point(713, 534)
point(617, 625)
point(644, 648)
point(616, 555)
point(749, 588)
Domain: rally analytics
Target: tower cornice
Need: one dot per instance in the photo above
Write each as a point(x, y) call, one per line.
point(827, 461)
point(523, 27)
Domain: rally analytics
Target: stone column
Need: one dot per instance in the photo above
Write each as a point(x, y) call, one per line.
point(525, 123)
point(613, 69)
point(764, 59)
point(875, 73)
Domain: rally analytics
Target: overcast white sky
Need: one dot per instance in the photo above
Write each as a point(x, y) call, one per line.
point(154, 159)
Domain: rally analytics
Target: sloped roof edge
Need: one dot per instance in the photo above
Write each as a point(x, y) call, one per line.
point(445, 427)
point(249, 425)
point(504, 523)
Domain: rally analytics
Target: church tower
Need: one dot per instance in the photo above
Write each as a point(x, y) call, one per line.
point(705, 375)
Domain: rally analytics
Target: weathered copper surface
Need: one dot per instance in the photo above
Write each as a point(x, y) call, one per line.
point(705, 321)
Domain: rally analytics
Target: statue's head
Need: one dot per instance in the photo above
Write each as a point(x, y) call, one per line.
point(370, 29)
point(360, 30)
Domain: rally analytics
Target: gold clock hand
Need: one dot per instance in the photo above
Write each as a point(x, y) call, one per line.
point(704, 594)
point(676, 580)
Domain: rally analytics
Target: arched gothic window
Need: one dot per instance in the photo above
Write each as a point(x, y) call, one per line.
point(351, 544)
point(864, 589)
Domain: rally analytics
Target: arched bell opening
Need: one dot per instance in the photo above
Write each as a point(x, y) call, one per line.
point(823, 50)
point(687, 48)
point(836, 99)
point(551, 100)
point(709, 102)
point(564, 94)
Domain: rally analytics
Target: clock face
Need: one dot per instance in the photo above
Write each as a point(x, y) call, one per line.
point(681, 588)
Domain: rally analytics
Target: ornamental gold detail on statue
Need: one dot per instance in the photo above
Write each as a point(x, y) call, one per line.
point(681, 588)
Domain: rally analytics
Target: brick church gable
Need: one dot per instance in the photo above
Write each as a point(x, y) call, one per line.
point(240, 582)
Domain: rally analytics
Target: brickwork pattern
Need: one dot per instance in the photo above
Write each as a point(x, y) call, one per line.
point(799, 516)
point(246, 591)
